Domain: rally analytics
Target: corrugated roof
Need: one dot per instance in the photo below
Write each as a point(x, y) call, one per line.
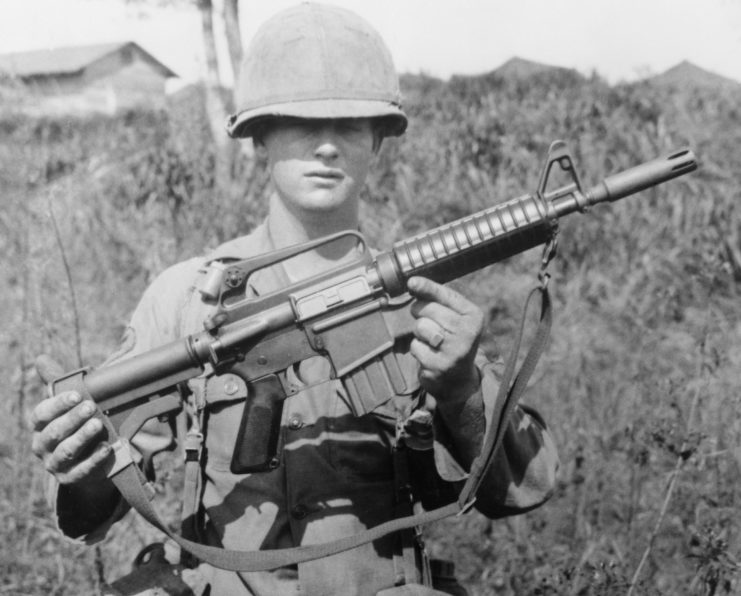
point(59, 61)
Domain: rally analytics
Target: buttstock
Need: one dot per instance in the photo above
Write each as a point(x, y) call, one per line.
point(127, 420)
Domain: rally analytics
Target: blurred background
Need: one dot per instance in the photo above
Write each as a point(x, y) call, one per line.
point(114, 164)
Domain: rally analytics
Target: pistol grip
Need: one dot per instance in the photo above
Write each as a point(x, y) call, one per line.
point(256, 448)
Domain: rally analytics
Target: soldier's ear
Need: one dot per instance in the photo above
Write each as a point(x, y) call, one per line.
point(258, 137)
point(378, 134)
point(258, 142)
point(377, 142)
point(260, 149)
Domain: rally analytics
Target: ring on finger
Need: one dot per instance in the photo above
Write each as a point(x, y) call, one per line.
point(437, 340)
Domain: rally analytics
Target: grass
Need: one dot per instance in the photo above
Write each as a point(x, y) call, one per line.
point(639, 384)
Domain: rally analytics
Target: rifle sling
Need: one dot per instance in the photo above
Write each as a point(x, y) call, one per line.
point(130, 481)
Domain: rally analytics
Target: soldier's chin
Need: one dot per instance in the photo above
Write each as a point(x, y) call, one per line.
point(326, 200)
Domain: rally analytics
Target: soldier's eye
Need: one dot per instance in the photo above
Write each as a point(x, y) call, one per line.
point(351, 125)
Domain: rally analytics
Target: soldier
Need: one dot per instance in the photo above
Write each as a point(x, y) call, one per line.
point(319, 93)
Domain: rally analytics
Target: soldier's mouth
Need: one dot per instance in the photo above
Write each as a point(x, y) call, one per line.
point(328, 173)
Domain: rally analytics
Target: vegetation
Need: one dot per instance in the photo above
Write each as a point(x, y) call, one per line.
point(639, 384)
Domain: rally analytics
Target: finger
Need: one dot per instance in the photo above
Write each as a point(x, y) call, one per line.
point(433, 310)
point(52, 408)
point(430, 332)
point(429, 379)
point(71, 451)
point(465, 313)
point(430, 373)
point(464, 329)
point(48, 368)
point(430, 291)
point(429, 359)
point(91, 466)
point(62, 427)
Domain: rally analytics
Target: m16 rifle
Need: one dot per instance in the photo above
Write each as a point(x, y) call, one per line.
point(353, 314)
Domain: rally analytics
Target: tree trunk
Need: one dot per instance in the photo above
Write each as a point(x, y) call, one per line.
point(216, 108)
point(233, 35)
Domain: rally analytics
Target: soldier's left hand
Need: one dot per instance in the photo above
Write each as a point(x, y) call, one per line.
point(446, 337)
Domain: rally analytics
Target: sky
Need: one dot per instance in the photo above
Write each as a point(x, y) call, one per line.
point(622, 40)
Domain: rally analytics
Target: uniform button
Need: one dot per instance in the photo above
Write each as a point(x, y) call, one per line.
point(295, 422)
point(274, 463)
point(299, 512)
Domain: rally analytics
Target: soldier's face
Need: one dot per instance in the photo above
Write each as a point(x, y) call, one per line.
point(318, 165)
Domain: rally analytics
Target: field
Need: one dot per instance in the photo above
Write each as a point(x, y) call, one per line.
point(639, 383)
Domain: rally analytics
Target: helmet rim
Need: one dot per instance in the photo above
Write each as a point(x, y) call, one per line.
point(242, 124)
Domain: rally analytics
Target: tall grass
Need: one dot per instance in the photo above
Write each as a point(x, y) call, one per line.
point(639, 384)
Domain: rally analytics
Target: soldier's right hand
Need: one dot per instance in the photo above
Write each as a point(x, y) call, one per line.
point(67, 437)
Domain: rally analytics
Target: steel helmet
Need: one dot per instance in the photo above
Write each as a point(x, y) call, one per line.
point(317, 61)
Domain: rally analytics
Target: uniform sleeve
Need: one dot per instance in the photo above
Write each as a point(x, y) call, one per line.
point(523, 474)
point(155, 321)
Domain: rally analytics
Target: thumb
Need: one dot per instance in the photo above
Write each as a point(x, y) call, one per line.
point(48, 368)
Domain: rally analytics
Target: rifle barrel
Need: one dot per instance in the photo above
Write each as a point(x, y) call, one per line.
point(494, 234)
point(642, 176)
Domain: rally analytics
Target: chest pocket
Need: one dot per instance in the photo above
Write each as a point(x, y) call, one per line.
point(224, 397)
point(360, 447)
point(319, 432)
